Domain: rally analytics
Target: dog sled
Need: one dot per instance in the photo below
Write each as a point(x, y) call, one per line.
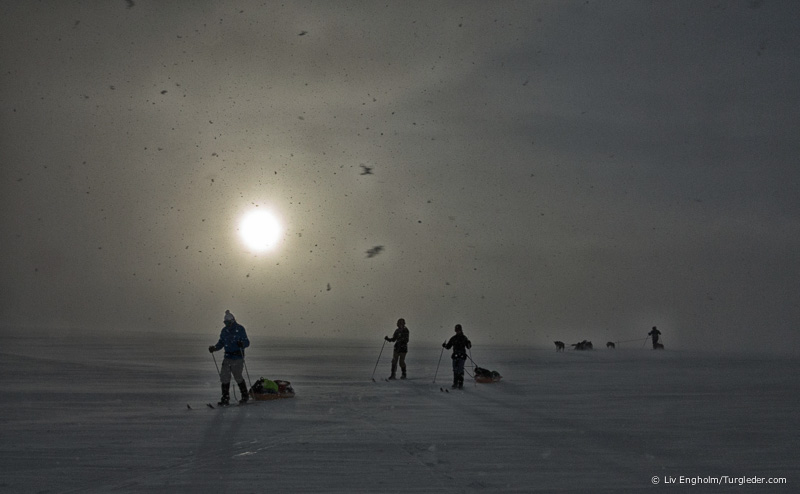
point(266, 389)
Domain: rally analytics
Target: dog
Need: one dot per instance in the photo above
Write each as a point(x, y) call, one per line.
point(658, 346)
point(559, 346)
point(610, 345)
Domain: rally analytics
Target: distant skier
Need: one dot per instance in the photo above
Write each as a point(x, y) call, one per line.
point(459, 343)
point(655, 334)
point(400, 337)
point(234, 339)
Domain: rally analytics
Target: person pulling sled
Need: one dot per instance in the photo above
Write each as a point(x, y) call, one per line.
point(233, 338)
point(459, 343)
point(656, 335)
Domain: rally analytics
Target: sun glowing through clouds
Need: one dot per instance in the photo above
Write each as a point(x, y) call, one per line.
point(260, 231)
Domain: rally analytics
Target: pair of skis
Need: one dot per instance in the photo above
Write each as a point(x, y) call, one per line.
point(445, 390)
point(240, 404)
point(209, 405)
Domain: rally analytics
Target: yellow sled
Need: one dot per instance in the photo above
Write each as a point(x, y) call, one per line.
point(265, 389)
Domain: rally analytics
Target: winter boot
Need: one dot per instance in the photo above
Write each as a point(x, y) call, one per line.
point(455, 381)
point(392, 377)
point(226, 395)
point(403, 376)
point(461, 381)
point(245, 394)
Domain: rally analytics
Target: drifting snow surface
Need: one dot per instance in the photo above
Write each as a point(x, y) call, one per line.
point(94, 413)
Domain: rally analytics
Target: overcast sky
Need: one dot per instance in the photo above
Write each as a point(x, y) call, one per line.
point(539, 170)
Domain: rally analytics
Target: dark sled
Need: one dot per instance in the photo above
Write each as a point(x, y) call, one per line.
point(486, 376)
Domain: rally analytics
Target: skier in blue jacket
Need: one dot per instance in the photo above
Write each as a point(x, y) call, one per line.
point(233, 338)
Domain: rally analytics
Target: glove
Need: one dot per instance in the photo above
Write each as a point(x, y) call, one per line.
point(444, 345)
point(386, 338)
point(240, 344)
point(211, 349)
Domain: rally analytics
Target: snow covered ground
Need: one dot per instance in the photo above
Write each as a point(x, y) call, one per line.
point(93, 412)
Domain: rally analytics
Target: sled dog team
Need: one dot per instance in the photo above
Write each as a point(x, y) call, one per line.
point(654, 333)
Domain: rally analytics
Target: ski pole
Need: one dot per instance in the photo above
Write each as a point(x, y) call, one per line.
point(379, 359)
point(235, 396)
point(245, 369)
point(645, 342)
point(437, 365)
point(215, 363)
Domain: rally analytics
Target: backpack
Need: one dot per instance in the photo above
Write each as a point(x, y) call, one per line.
point(265, 386)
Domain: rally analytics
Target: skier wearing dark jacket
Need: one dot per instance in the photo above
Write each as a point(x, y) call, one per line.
point(233, 338)
point(400, 337)
point(459, 343)
point(655, 333)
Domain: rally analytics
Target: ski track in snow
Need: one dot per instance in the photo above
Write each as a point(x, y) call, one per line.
point(87, 413)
